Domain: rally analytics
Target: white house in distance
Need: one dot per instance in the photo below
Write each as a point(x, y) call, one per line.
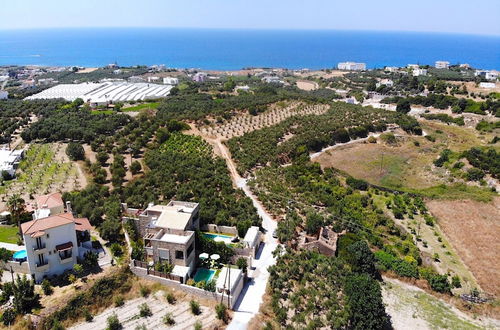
point(9, 160)
point(419, 72)
point(200, 77)
point(487, 74)
point(52, 243)
point(385, 82)
point(351, 66)
point(392, 69)
point(442, 64)
point(170, 81)
point(47, 205)
point(4, 95)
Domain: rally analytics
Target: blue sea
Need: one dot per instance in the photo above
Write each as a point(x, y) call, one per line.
point(236, 49)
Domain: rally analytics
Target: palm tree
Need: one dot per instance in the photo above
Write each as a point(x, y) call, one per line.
point(17, 208)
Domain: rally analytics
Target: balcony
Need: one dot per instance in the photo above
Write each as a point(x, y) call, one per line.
point(42, 267)
point(38, 249)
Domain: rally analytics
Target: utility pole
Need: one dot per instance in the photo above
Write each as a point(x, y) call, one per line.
point(381, 163)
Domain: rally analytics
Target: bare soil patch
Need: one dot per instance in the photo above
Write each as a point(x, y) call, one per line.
point(473, 229)
point(307, 85)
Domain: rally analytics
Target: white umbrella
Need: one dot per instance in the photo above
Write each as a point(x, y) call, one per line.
point(219, 239)
point(204, 256)
point(215, 257)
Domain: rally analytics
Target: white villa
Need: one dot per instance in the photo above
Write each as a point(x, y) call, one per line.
point(419, 72)
point(442, 64)
point(351, 66)
point(9, 160)
point(52, 243)
point(170, 81)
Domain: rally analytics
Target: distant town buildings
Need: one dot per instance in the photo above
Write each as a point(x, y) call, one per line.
point(392, 69)
point(351, 66)
point(487, 74)
point(200, 77)
point(487, 85)
point(442, 64)
point(4, 95)
point(9, 160)
point(153, 79)
point(272, 80)
point(413, 66)
point(245, 88)
point(385, 82)
point(464, 66)
point(419, 72)
point(171, 81)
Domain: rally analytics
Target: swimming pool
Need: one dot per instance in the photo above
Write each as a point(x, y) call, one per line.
point(204, 274)
point(220, 237)
point(20, 255)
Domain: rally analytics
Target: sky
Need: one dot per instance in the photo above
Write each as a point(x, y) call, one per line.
point(447, 16)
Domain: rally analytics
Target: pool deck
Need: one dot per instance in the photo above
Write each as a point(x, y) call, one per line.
point(12, 247)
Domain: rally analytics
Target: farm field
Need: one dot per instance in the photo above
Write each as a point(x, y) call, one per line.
point(413, 308)
point(128, 315)
point(244, 123)
point(404, 164)
point(150, 105)
point(45, 168)
point(473, 229)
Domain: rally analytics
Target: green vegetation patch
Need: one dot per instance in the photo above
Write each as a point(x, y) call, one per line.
point(8, 234)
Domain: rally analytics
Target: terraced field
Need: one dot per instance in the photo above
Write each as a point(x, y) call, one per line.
point(128, 315)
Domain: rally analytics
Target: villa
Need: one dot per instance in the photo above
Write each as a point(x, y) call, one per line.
point(419, 72)
point(47, 205)
point(52, 243)
point(9, 160)
point(169, 234)
point(351, 66)
point(442, 64)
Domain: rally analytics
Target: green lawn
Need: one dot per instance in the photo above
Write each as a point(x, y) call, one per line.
point(150, 105)
point(8, 234)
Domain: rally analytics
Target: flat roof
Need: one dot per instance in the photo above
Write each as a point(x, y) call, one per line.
point(175, 215)
point(177, 239)
point(234, 277)
point(251, 234)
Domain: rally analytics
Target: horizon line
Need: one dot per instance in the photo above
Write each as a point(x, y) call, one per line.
point(248, 29)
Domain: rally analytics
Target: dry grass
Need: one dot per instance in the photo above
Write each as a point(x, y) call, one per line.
point(473, 229)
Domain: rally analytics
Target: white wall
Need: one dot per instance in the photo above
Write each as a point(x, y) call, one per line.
point(57, 235)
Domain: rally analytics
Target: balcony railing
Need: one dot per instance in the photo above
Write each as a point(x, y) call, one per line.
point(39, 247)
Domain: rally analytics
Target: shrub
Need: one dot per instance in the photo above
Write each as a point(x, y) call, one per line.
point(221, 311)
point(116, 249)
point(474, 174)
point(78, 269)
point(429, 220)
point(72, 278)
point(198, 325)
point(195, 307)
point(119, 301)
point(47, 287)
point(88, 316)
point(144, 310)
point(8, 316)
point(113, 323)
point(145, 291)
point(455, 282)
point(430, 138)
point(168, 319)
point(357, 183)
point(75, 151)
point(170, 298)
point(440, 283)
point(135, 167)
point(242, 264)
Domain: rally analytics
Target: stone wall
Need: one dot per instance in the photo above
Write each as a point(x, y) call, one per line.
point(215, 296)
point(17, 267)
point(220, 229)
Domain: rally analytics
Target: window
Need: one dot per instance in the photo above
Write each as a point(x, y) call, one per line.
point(190, 249)
point(179, 254)
point(65, 254)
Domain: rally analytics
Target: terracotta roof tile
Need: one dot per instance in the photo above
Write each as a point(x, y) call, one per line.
point(37, 227)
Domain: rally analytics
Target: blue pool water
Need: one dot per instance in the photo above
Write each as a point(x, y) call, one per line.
point(204, 274)
point(219, 237)
point(234, 49)
point(19, 255)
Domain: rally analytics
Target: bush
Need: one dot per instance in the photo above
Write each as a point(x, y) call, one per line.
point(119, 301)
point(242, 264)
point(135, 167)
point(88, 316)
point(113, 323)
point(198, 325)
point(145, 291)
point(75, 151)
point(357, 183)
point(78, 269)
point(168, 319)
point(116, 250)
point(195, 307)
point(455, 282)
point(474, 174)
point(440, 283)
point(8, 316)
point(221, 311)
point(47, 287)
point(170, 298)
point(144, 310)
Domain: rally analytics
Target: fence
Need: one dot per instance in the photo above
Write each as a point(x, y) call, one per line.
point(220, 229)
point(141, 264)
point(140, 269)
